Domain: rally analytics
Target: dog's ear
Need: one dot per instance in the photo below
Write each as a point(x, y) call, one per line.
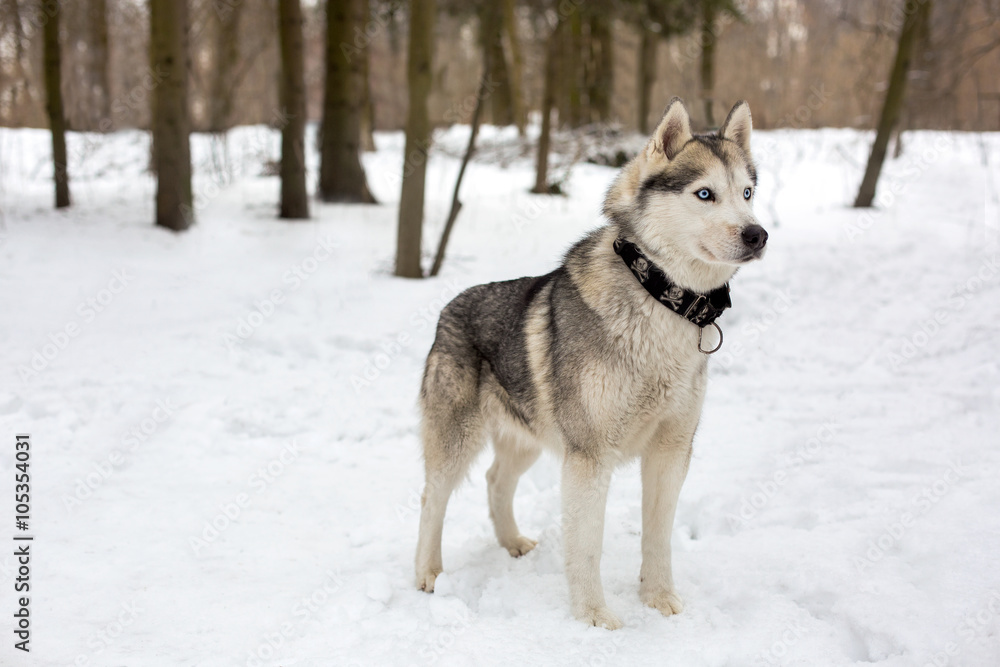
point(673, 131)
point(737, 126)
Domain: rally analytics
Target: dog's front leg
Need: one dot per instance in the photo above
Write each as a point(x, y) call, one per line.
point(664, 467)
point(585, 494)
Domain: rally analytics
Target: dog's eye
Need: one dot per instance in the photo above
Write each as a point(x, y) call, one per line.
point(746, 193)
point(704, 194)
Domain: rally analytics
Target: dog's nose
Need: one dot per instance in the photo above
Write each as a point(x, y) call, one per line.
point(754, 236)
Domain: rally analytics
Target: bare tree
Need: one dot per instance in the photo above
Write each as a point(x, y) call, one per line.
point(571, 112)
point(418, 139)
point(171, 150)
point(711, 12)
point(367, 108)
point(516, 67)
point(294, 200)
point(227, 59)
point(54, 102)
point(601, 64)
point(893, 103)
point(504, 102)
point(649, 42)
point(658, 20)
point(552, 65)
point(341, 176)
point(101, 58)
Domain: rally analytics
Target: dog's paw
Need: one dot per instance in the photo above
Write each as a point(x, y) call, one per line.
point(519, 546)
point(601, 617)
point(426, 579)
point(666, 601)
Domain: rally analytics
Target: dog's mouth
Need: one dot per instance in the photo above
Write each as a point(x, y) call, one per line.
point(752, 255)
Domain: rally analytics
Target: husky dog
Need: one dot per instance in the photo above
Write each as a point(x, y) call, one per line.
point(593, 363)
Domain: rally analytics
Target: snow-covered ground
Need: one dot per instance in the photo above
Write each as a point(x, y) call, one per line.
point(225, 462)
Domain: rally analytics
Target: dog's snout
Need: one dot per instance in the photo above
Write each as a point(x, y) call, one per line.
point(754, 236)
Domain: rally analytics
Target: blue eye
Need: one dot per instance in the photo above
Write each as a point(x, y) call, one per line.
point(746, 193)
point(704, 194)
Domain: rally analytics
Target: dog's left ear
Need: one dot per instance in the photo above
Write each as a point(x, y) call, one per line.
point(737, 126)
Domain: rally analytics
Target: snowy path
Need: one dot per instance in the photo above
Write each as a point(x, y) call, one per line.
point(842, 505)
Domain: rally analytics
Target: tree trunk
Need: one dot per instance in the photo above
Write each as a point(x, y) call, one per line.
point(227, 58)
point(341, 176)
point(418, 139)
point(22, 80)
point(516, 66)
point(491, 34)
point(602, 81)
point(647, 75)
point(572, 71)
point(54, 105)
point(548, 102)
point(101, 61)
point(456, 204)
point(294, 200)
point(891, 108)
point(171, 126)
point(708, 60)
point(367, 106)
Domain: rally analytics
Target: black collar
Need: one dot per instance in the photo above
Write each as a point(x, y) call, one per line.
point(700, 309)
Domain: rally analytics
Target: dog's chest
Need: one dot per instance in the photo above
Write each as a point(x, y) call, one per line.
point(667, 372)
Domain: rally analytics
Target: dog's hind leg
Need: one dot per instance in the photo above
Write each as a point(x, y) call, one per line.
point(510, 463)
point(452, 437)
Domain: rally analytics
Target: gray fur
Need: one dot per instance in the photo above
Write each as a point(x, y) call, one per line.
point(584, 362)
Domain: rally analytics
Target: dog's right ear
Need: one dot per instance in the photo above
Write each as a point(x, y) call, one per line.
point(674, 129)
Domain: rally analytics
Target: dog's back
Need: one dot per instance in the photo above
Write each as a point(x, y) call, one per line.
point(481, 336)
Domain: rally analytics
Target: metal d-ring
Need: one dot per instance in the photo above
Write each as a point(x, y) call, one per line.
point(716, 348)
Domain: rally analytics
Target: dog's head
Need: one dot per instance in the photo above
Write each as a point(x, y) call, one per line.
point(690, 196)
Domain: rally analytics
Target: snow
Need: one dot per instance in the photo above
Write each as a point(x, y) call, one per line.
point(226, 466)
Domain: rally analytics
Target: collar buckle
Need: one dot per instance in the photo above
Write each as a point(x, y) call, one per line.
point(698, 299)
